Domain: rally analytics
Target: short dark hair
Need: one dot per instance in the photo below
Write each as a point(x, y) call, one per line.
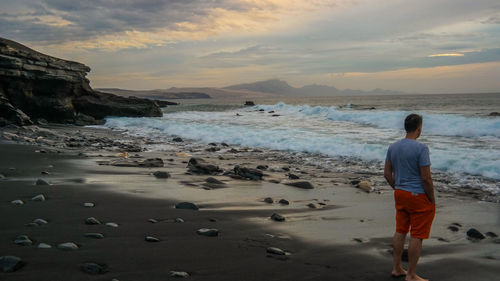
point(412, 122)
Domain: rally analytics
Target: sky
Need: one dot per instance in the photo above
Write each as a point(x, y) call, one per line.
point(425, 46)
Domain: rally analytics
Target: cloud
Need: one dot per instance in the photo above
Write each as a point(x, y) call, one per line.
point(446, 55)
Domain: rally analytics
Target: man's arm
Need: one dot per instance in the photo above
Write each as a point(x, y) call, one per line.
point(389, 177)
point(425, 173)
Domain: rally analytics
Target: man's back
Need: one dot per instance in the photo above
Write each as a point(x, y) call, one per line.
point(406, 157)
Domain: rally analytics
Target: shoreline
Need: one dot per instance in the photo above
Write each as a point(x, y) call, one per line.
point(239, 252)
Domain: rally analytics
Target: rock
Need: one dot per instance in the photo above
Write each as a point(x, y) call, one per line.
point(41, 182)
point(275, 251)
point(44, 173)
point(68, 246)
point(284, 202)
point(293, 176)
point(186, 206)
point(453, 228)
point(112, 224)
point(177, 139)
point(23, 240)
point(92, 221)
point(152, 221)
point(249, 103)
point(212, 220)
point(312, 206)
point(44, 246)
point(275, 115)
point(355, 182)
point(491, 234)
point(474, 234)
point(261, 110)
point(17, 202)
point(277, 217)
point(211, 232)
point(179, 220)
point(88, 205)
point(2, 177)
point(248, 173)
point(213, 180)
point(94, 268)
point(494, 113)
point(212, 149)
point(38, 198)
point(262, 167)
point(365, 186)
point(40, 221)
point(10, 263)
point(224, 144)
point(199, 166)
point(152, 163)
point(301, 184)
point(161, 175)
point(94, 235)
point(179, 274)
point(151, 239)
point(269, 200)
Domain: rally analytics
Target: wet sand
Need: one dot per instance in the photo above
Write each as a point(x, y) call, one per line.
point(320, 241)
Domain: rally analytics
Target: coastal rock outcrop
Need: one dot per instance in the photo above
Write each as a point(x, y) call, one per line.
point(37, 86)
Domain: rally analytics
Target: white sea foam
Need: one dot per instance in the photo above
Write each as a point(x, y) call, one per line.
point(334, 132)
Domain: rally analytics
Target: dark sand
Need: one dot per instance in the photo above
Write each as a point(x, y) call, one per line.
point(238, 253)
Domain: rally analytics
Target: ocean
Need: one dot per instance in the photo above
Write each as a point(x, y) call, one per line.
point(464, 141)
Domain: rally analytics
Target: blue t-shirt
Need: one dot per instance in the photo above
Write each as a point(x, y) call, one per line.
point(406, 157)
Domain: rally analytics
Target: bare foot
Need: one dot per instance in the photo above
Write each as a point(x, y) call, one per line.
point(415, 278)
point(398, 272)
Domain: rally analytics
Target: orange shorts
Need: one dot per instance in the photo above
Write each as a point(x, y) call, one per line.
point(414, 213)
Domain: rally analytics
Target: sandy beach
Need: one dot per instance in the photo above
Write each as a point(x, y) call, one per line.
point(334, 231)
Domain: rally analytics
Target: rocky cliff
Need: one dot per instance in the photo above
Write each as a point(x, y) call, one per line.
point(36, 86)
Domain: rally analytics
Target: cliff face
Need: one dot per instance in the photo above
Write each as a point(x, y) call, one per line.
point(37, 86)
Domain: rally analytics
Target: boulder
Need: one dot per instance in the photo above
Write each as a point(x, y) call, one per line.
point(186, 206)
point(248, 173)
point(494, 114)
point(249, 103)
point(199, 166)
point(301, 184)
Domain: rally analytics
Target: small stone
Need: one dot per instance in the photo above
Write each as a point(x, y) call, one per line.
point(359, 240)
point(177, 139)
point(453, 228)
point(41, 182)
point(152, 221)
point(161, 175)
point(68, 246)
point(301, 184)
point(293, 177)
point(40, 221)
point(211, 232)
point(45, 173)
point(92, 221)
point(17, 202)
point(23, 240)
point(93, 268)
point(213, 180)
point(10, 263)
point(277, 217)
point(186, 206)
point(44, 246)
point(179, 220)
point(179, 274)
point(269, 200)
point(88, 205)
point(275, 251)
point(312, 206)
point(38, 198)
point(474, 234)
point(212, 220)
point(94, 235)
point(491, 234)
point(365, 186)
point(284, 202)
point(112, 224)
point(2, 177)
point(151, 239)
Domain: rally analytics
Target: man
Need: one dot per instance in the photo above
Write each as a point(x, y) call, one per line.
point(407, 170)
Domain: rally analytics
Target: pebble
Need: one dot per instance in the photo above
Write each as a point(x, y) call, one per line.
point(41, 182)
point(301, 184)
point(17, 202)
point(179, 274)
point(88, 205)
point(284, 202)
point(152, 221)
point(474, 234)
point(112, 224)
point(93, 268)
point(269, 200)
point(94, 235)
point(275, 251)
point(277, 217)
point(179, 220)
point(151, 239)
point(23, 240)
point(186, 206)
point(44, 246)
point(211, 232)
point(161, 175)
point(68, 246)
point(92, 221)
point(38, 198)
point(10, 263)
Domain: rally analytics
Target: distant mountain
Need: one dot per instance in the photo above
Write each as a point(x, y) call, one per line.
point(156, 94)
point(280, 87)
